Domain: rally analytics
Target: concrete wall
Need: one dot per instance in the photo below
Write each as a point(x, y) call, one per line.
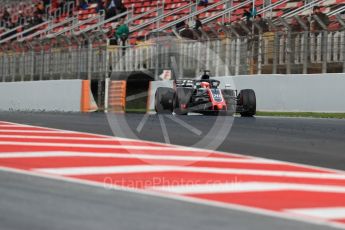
point(291, 93)
point(59, 95)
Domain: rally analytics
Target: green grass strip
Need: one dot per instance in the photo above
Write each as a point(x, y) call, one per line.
point(133, 110)
point(302, 114)
point(273, 114)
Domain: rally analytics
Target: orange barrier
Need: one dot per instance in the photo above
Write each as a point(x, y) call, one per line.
point(117, 96)
point(85, 96)
point(87, 103)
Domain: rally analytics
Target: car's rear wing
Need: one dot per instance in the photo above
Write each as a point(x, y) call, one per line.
point(190, 83)
point(185, 83)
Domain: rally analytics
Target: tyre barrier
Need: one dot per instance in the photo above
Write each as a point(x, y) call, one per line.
point(117, 96)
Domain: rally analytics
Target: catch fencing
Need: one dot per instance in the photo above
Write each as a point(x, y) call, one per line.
point(267, 53)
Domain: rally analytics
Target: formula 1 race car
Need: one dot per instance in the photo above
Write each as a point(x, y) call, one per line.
point(204, 96)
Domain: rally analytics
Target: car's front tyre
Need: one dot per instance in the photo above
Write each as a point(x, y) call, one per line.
point(247, 100)
point(164, 100)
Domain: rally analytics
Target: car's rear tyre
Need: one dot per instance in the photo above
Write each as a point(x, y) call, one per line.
point(230, 100)
point(182, 97)
point(247, 100)
point(164, 100)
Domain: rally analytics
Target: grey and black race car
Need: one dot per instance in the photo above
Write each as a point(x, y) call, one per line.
point(204, 96)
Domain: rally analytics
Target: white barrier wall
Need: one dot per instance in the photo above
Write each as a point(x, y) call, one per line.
point(290, 93)
point(59, 95)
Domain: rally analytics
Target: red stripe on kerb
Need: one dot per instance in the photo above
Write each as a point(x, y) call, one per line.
point(278, 200)
point(52, 134)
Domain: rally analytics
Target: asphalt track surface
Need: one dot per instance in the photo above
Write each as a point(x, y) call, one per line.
point(36, 203)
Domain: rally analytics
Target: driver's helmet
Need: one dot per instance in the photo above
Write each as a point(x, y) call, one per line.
point(205, 85)
point(205, 77)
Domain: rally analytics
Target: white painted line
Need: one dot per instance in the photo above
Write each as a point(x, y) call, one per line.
point(131, 156)
point(157, 168)
point(114, 146)
point(322, 213)
point(164, 129)
point(254, 210)
point(237, 187)
point(142, 123)
point(186, 125)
